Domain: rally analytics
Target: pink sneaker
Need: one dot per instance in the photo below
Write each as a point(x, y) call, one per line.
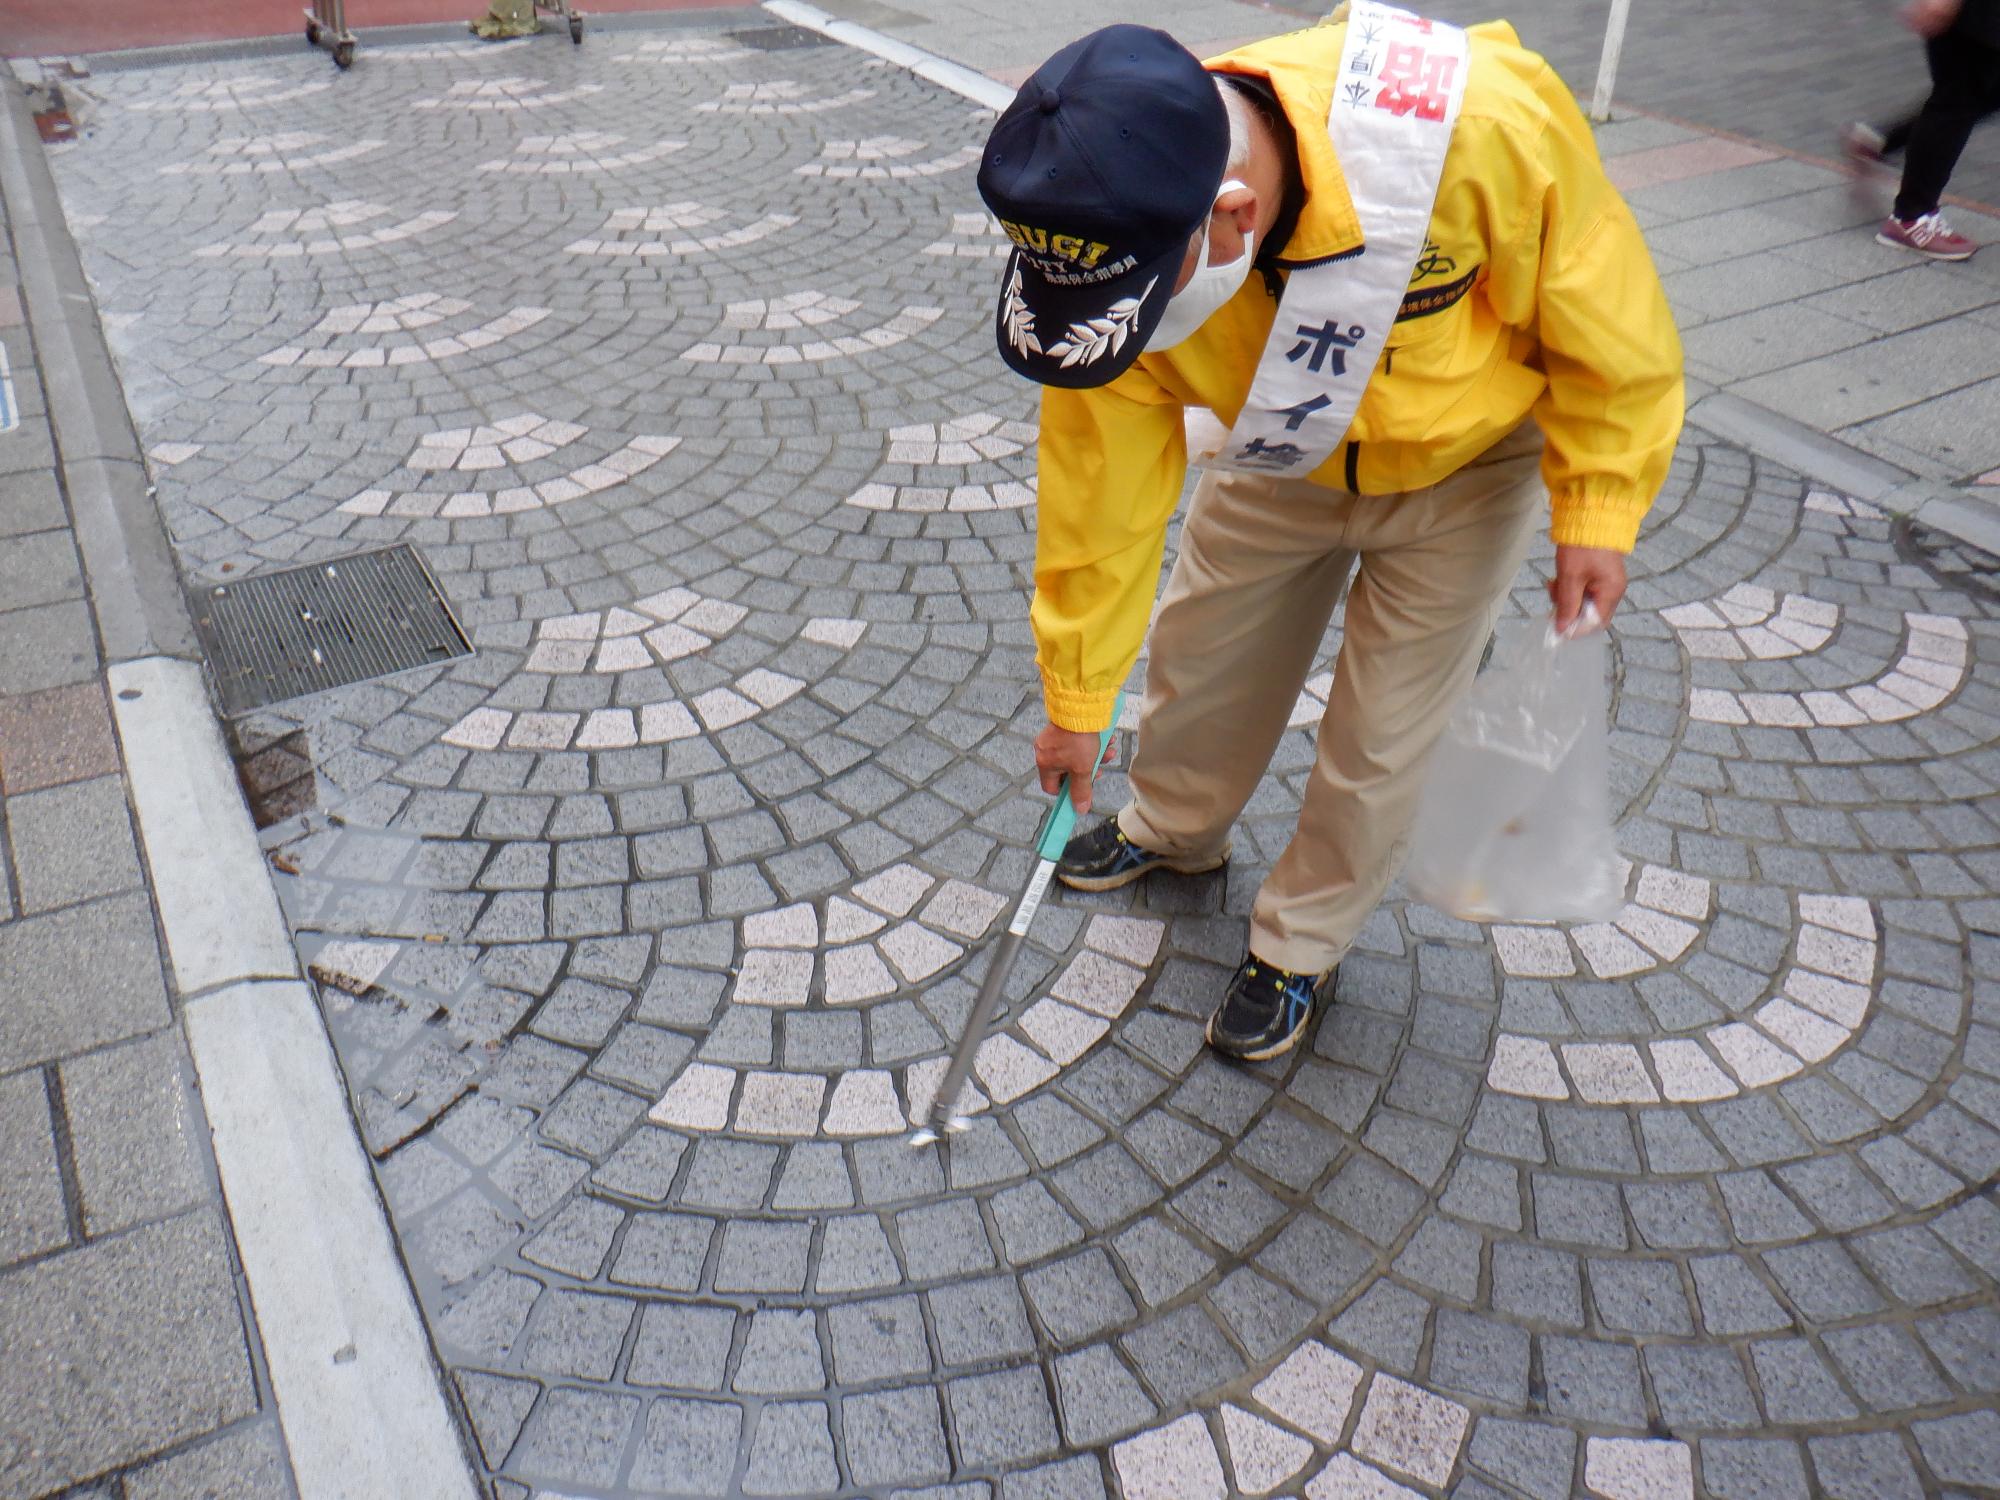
point(1861, 143)
point(1929, 236)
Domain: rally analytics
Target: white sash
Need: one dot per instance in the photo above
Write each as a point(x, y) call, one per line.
point(1394, 105)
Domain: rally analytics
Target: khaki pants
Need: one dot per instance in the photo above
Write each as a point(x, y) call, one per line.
point(1262, 563)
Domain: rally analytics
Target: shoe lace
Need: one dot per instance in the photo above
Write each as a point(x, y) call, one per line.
point(1931, 226)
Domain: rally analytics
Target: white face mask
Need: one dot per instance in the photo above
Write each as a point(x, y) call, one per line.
point(1207, 289)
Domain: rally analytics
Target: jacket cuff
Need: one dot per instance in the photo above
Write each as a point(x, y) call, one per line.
point(1582, 519)
point(1077, 709)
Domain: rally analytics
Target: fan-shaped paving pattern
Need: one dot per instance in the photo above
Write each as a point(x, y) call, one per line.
point(1362, 1271)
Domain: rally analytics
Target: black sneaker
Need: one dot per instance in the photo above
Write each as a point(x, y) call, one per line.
point(1264, 1011)
point(1104, 859)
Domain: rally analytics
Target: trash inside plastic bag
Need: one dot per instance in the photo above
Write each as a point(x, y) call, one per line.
point(1515, 823)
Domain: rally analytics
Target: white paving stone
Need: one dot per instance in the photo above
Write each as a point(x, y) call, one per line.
point(855, 974)
point(720, 708)
point(1261, 1455)
point(1836, 953)
point(1062, 1031)
point(1098, 984)
point(1610, 953)
point(963, 909)
point(1751, 1056)
point(846, 922)
point(697, 1100)
point(1134, 940)
point(1526, 1066)
point(1674, 893)
point(895, 890)
point(768, 689)
point(1408, 1430)
point(1713, 706)
point(794, 926)
point(1848, 914)
point(608, 729)
point(1007, 1070)
point(1609, 1073)
point(543, 731)
point(1347, 1478)
point(1668, 937)
point(1313, 1390)
point(1842, 1003)
point(916, 951)
point(772, 977)
point(1812, 1037)
point(864, 1103)
point(1534, 952)
point(1688, 1074)
point(353, 964)
point(830, 631)
point(660, 723)
point(785, 1104)
point(920, 1084)
point(1174, 1462)
point(1638, 1469)
point(482, 729)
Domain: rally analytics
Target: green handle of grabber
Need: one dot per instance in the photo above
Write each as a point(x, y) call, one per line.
point(1061, 821)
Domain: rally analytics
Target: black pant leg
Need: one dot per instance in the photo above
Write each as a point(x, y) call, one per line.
point(1965, 79)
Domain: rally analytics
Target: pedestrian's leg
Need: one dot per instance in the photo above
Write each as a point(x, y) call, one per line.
point(1960, 94)
point(1259, 572)
point(1432, 575)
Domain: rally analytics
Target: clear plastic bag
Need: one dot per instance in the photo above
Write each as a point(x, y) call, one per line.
point(1515, 823)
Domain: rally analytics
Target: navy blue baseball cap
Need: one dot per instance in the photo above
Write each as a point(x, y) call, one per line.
point(1100, 171)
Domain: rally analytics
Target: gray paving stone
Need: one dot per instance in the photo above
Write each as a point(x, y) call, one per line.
point(1578, 1211)
point(1640, 1296)
point(980, 1321)
point(1078, 1297)
point(1371, 1199)
point(246, 1460)
point(855, 1256)
point(689, 1446)
point(878, 1339)
point(791, 1451)
point(1700, 1387)
point(109, 945)
point(1798, 1389)
point(72, 843)
point(143, 1346)
point(1385, 1323)
point(32, 1216)
point(781, 1354)
point(1822, 1282)
point(666, 1251)
point(1532, 1284)
point(1001, 1418)
point(1162, 1262)
point(894, 1436)
point(1962, 1449)
point(683, 1346)
point(1097, 1396)
point(1866, 1464)
point(763, 1257)
point(1532, 1456)
point(1478, 1356)
point(1072, 1479)
point(1593, 1382)
point(1182, 1355)
point(577, 1335)
point(1264, 1316)
point(1753, 1469)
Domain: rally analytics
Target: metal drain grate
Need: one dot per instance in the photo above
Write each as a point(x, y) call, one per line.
point(284, 635)
point(780, 38)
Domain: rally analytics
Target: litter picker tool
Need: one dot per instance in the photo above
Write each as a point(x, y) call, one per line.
point(942, 1114)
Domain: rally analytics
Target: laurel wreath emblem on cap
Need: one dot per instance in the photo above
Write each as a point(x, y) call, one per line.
point(1020, 321)
point(1089, 341)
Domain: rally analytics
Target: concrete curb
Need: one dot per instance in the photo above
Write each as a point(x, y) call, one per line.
point(134, 586)
point(1769, 434)
point(358, 1389)
point(981, 90)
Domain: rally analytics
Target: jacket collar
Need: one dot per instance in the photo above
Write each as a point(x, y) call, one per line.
point(1300, 67)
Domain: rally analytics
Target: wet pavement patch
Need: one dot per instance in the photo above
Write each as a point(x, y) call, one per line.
point(284, 635)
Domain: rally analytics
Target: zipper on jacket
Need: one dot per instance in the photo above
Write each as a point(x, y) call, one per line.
point(1354, 467)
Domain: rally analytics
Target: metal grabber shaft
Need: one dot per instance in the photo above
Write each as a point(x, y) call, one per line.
point(942, 1115)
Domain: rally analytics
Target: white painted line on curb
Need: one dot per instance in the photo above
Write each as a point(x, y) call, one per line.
point(356, 1389)
point(977, 87)
point(216, 903)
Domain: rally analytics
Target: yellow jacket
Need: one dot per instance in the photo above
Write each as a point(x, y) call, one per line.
point(1558, 313)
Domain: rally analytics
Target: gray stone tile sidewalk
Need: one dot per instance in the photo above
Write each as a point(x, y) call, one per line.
point(640, 932)
point(130, 1350)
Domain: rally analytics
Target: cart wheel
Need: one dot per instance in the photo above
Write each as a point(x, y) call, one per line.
point(312, 33)
point(576, 30)
point(343, 55)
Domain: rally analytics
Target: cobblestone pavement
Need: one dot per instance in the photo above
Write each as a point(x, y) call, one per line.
point(641, 932)
point(131, 1351)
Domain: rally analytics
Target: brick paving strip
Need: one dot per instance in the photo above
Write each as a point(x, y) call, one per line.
point(640, 933)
